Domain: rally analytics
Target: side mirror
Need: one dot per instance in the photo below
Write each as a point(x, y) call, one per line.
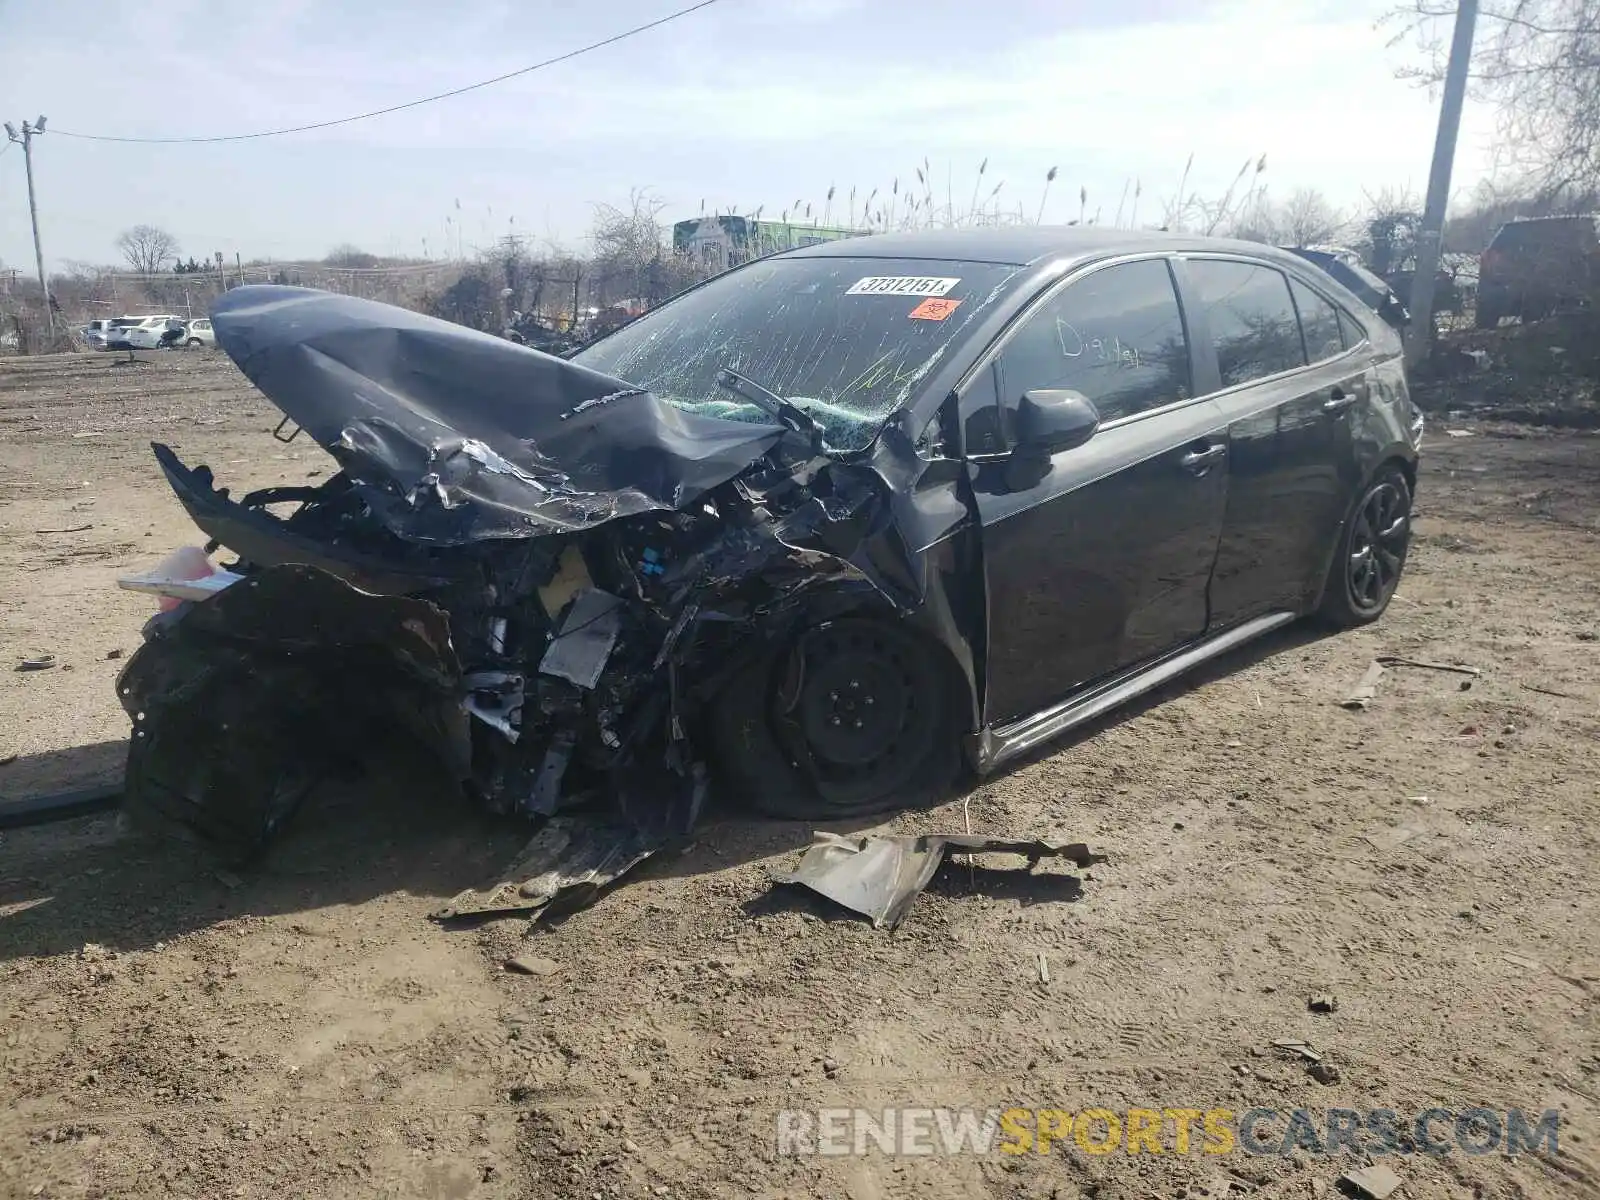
point(1054, 419)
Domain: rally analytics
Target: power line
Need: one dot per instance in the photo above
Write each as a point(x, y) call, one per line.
point(394, 108)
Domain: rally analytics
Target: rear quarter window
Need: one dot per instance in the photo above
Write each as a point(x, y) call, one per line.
point(1254, 327)
point(1351, 331)
point(1319, 322)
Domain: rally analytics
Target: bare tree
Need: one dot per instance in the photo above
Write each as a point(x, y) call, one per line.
point(147, 249)
point(347, 255)
point(628, 242)
point(1307, 218)
point(1258, 221)
point(1538, 62)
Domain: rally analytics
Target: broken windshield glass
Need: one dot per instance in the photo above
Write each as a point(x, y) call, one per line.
point(848, 341)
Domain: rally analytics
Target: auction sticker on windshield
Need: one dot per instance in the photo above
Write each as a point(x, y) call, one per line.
point(902, 285)
point(934, 309)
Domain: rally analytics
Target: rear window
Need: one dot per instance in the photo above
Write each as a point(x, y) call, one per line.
point(1363, 283)
point(1252, 319)
point(848, 340)
point(1565, 232)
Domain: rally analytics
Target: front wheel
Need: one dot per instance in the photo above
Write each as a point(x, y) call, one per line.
point(857, 717)
point(1372, 552)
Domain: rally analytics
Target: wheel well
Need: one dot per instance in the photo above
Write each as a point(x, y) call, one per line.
point(1408, 468)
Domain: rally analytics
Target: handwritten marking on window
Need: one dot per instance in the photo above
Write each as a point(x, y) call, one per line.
point(1099, 351)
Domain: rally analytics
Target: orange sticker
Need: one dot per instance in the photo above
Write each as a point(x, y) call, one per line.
point(934, 309)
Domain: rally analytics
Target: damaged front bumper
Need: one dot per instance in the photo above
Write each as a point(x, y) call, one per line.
point(546, 673)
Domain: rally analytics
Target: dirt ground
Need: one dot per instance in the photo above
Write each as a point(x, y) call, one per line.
point(304, 1030)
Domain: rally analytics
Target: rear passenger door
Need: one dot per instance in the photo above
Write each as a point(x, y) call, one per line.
point(1098, 557)
point(1287, 386)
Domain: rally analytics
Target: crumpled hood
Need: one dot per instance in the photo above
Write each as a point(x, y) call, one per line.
point(454, 436)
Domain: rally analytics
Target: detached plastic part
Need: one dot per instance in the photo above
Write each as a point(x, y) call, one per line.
point(186, 574)
point(879, 877)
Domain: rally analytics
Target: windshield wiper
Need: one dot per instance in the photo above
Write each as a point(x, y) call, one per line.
point(769, 402)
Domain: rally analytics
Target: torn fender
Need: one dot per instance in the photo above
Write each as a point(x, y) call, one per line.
point(454, 436)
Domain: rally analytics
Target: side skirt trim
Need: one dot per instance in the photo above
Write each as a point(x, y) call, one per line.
point(991, 748)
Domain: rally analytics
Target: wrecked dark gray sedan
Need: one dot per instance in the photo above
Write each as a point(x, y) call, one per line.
point(818, 529)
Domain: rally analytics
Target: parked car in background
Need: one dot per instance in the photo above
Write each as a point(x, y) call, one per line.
point(1346, 268)
point(1536, 266)
point(150, 333)
point(94, 333)
point(843, 512)
point(116, 332)
point(200, 334)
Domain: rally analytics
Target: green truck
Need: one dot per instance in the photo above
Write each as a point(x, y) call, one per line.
point(721, 242)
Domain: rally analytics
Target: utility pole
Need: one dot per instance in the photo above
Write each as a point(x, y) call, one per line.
point(26, 138)
point(1419, 336)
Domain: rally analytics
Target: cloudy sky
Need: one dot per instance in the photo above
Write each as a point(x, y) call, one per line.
point(747, 103)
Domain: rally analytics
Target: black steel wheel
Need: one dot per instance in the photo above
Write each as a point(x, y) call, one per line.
point(1372, 552)
point(856, 717)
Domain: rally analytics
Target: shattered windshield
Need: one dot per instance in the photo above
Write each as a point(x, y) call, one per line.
point(848, 341)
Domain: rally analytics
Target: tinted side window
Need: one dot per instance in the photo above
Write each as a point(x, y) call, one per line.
point(1252, 319)
point(1116, 336)
point(1319, 322)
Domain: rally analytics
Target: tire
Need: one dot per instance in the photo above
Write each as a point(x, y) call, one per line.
point(857, 716)
point(1486, 317)
point(193, 342)
point(1371, 555)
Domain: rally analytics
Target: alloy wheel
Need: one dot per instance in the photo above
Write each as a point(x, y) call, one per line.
point(1378, 546)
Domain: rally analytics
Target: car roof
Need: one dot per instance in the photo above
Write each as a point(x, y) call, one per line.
point(1554, 220)
point(1026, 245)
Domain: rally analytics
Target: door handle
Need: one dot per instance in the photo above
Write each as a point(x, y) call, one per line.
point(1341, 400)
point(1198, 462)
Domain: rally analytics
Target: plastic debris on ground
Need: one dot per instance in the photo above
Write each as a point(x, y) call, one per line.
point(879, 876)
point(1376, 1182)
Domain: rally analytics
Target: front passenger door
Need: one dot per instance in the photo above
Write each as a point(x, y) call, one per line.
point(1098, 557)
